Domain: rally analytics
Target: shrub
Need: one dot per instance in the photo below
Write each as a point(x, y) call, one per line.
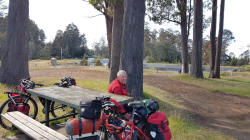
point(98, 62)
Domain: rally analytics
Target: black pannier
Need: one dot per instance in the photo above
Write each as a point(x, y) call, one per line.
point(91, 109)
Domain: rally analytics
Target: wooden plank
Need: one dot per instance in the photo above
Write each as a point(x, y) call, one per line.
point(73, 95)
point(42, 127)
point(28, 131)
point(33, 125)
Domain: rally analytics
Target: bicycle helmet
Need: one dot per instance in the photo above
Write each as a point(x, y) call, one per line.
point(115, 126)
point(26, 84)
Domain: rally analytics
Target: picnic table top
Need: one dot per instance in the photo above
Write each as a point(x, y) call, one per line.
point(73, 95)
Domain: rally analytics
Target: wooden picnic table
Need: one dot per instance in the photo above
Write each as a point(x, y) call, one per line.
point(71, 96)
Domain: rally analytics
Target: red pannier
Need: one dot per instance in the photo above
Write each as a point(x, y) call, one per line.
point(157, 127)
point(18, 105)
point(21, 107)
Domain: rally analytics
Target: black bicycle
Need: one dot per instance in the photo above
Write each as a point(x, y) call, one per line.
point(25, 103)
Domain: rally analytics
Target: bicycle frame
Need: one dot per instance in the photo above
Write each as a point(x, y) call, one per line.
point(133, 127)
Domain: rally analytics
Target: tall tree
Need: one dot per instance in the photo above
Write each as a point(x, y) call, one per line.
point(220, 36)
point(196, 68)
point(116, 39)
point(57, 45)
point(15, 59)
point(132, 45)
point(106, 8)
point(72, 40)
point(213, 39)
point(165, 11)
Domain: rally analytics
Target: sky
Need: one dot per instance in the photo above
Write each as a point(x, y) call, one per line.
point(53, 15)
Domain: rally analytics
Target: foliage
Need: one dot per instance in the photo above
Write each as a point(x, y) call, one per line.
point(3, 8)
point(98, 62)
point(245, 68)
point(101, 49)
point(70, 43)
point(227, 39)
point(35, 41)
point(162, 46)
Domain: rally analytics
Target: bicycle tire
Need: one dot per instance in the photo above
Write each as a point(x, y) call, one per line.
point(4, 108)
point(58, 109)
point(135, 133)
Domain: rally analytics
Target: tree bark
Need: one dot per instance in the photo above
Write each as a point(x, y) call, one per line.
point(218, 50)
point(213, 39)
point(15, 59)
point(109, 25)
point(184, 35)
point(116, 39)
point(132, 45)
point(196, 68)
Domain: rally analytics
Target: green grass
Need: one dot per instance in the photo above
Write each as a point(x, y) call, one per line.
point(229, 84)
point(181, 126)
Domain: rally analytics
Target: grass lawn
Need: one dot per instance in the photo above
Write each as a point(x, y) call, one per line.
point(181, 125)
point(237, 83)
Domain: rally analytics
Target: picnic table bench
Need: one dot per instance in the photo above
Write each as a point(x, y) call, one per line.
point(68, 96)
point(31, 127)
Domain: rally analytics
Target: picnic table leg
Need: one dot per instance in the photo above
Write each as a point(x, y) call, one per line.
point(47, 106)
point(74, 111)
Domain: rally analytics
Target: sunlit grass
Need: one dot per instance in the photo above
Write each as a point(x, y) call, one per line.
point(228, 83)
point(181, 126)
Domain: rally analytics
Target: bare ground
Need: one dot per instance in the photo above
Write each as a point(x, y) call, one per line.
point(220, 111)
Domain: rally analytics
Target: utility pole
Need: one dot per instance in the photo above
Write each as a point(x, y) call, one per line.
point(61, 53)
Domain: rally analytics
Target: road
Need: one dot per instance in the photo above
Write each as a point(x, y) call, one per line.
point(176, 67)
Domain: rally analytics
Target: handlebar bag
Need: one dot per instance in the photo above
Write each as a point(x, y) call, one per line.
point(158, 127)
point(91, 109)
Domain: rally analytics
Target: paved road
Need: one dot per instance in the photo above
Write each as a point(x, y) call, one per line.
point(176, 67)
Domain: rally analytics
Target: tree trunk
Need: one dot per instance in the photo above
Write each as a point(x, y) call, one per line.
point(15, 59)
point(218, 50)
point(116, 40)
point(132, 45)
point(184, 36)
point(196, 68)
point(213, 39)
point(109, 24)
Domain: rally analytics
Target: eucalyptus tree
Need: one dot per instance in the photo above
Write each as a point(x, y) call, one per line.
point(15, 58)
point(177, 11)
point(213, 39)
point(105, 7)
point(196, 66)
point(220, 36)
point(116, 38)
point(132, 45)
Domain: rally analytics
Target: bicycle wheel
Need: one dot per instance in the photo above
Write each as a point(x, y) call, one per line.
point(58, 109)
point(18, 100)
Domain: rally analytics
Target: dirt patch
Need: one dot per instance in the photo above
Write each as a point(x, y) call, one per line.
point(223, 112)
point(75, 72)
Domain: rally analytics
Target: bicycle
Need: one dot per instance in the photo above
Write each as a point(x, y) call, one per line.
point(116, 128)
point(22, 98)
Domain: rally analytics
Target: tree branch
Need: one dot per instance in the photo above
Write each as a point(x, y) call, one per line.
point(172, 20)
point(95, 16)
